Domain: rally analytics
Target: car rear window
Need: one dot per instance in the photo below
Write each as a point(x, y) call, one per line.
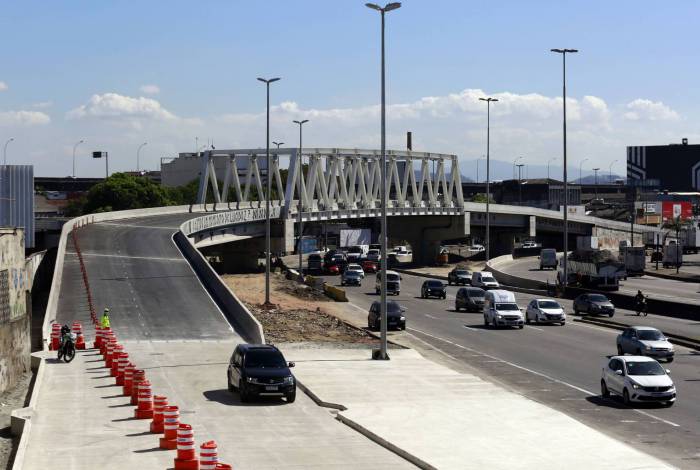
point(434, 284)
point(392, 277)
point(476, 293)
point(597, 298)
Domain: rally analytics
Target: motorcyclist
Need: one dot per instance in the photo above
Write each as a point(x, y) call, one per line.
point(104, 321)
point(641, 300)
point(65, 333)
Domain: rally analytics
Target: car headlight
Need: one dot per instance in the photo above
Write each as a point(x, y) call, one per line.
point(647, 347)
point(251, 380)
point(636, 386)
point(289, 380)
point(499, 316)
point(403, 318)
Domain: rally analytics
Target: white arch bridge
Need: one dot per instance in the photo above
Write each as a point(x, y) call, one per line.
point(341, 184)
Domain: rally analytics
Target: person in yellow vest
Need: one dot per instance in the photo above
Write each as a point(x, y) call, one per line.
point(105, 319)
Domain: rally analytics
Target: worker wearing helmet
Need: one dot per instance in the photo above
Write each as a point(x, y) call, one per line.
point(105, 319)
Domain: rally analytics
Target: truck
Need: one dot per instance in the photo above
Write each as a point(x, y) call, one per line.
point(548, 258)
point(673, 255)
point(634, 259)
point(586, 242)
point(593, 269)
point(690, 239)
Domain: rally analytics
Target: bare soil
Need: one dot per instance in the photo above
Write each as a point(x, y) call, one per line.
point(299, 313)
point(10, 400)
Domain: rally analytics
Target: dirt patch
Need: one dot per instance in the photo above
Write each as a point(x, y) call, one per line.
point(10, 400)
point(299, 314)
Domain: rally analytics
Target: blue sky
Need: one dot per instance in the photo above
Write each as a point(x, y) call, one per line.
point(76, 70)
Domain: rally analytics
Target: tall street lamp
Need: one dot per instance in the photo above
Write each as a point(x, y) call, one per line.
point(514, 164)
point(4, 152)
point(580, 170)
point(595, 170)
point(299, 207)
point(488, 100)
point(75, 147)
point(563, 53)
point(610, 170)
point(520, 186)
point(383, 342)
point(138, 156)
point(278, 144)
point(267, 195)
point(548, 162)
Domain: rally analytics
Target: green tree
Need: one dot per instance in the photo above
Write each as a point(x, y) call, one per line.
point(481, 198)
point(122, 192)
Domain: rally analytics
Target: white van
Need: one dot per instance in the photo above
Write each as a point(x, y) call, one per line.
point(500, 309)
point(485, 280)
point(548, 259)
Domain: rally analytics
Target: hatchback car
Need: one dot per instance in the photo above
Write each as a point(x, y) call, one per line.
point(370, 266)
point(596, 304)
point(637, 379)
point(350, 278)
point(433, 288)
point(258, 370)
point(645, 341)
point(545, 311)
point(395, 317)
point(459, 276)
point(357, 268)
point(470, 299)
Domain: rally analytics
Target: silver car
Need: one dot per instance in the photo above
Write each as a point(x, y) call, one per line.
point(645, 341)
point(637, 379)
point(545, 311)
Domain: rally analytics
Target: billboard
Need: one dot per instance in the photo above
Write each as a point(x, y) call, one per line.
point(671, 210)
point(17, 199)
point(671, 167)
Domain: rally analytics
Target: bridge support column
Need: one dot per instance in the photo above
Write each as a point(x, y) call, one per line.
point(425, 234)
point(533, 226)
point(283, 234)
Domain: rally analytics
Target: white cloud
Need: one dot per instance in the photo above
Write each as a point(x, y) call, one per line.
point(641, 109)
point(23, 118)
point(150, 89)
point(116, 106)
point(3, 86)
point(43, 104)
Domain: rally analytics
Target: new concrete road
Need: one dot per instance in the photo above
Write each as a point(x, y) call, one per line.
point(555, 365)
point(136, 271)
point(654, 287)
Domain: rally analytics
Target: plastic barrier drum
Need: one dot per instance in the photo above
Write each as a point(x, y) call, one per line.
point(159, 404)
point(208, 456)
point(186, 457)
point(144, 409)
point(171, 421)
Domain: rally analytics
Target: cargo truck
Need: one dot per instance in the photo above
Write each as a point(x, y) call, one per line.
point(690, 239)
point(634, 259)
point(673, 256)
point(593, 269)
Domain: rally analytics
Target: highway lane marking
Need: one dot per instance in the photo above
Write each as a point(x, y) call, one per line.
point(107, 255)
point(548, 377)
point(535, 328)
point(472, 329)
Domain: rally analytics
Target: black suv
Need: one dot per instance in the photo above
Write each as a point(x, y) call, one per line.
point(470, 299)
point(433, 288)
point(394, 315)
point(459, 276)
point(260, 369)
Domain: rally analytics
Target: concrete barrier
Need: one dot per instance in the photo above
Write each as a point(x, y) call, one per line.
point(510, 280)
point(335, 293)
point(234, 310)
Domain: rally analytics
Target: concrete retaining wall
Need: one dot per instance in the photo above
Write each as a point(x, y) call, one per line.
point(510, 280)
point(235, 311)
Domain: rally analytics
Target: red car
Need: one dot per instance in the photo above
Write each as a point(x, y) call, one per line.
point(370, 266)
point(332, 269)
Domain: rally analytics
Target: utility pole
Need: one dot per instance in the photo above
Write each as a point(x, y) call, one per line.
point(299, 205)
point(520, 186)
point(488, 100)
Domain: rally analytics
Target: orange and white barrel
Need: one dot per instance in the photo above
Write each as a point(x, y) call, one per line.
point(208, 456)
point(128, 379)
point(122, 361)
point(139, 376)
point(171, 421)
point(114, 368)
point(144, 409)
point(186, 456)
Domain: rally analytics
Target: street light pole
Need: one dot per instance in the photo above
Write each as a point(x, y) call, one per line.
point(488, 100)
point(138, 156)
point(383, 312)
point(267, 195)
point(299, 205)
point(563, 53)
point(520, 186)
point(278, 144)
point(4, 152)
point(75, 147)
point(610, 171)
point(550, 161)
point(514, 165)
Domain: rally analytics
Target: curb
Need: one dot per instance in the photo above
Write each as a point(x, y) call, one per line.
point(522, 290)
point(384, 443)
point(675, 339)
point(695, 279)
point(317, 400)
point(21, 418)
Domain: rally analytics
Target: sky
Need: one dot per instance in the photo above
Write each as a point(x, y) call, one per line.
point(117, 74)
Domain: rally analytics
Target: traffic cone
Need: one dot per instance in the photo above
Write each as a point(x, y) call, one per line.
point(144, 409)
point(171, 421)
point(159, 404)
point(208, 456)
point(186, 457)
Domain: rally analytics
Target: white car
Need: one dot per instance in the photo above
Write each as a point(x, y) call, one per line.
point(530, 245)
point(637, 379)
point(477, 248)
point(545, 311)
point(357, 268)
point(374, 255)
point(485, 280)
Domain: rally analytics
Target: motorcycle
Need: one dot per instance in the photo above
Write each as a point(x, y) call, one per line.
point(641, 307)
point(67, 348)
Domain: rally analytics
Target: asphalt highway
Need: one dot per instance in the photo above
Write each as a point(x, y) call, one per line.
point(136, 270)
point(559, 366)
point(665, 289)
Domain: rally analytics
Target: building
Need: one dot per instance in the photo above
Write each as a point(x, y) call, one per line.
point(537, 192)
point(17, 199)
point(674, 167)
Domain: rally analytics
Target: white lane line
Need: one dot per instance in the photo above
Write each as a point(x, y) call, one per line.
point(472, 329)
point(597, 328)
point(535, 328)
point(548, 377)
point(430, 316)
